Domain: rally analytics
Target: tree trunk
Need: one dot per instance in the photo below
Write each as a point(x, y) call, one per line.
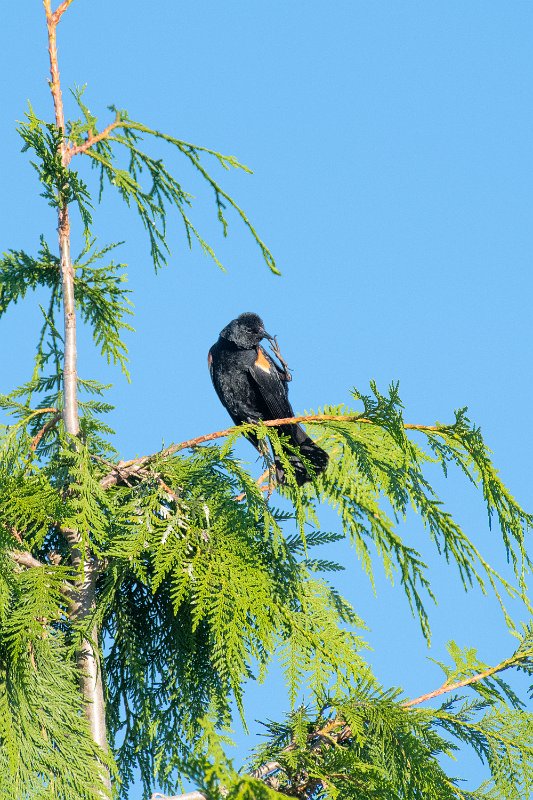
point(84, 563)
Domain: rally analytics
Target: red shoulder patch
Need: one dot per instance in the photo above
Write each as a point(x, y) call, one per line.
point(209, 360)
point(262, 361)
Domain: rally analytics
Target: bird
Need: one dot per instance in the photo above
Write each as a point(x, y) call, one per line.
point(252, 387)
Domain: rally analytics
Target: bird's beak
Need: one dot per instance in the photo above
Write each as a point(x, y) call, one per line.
point(267, 336)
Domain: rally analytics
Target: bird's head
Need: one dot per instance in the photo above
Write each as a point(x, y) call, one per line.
point(246, 331)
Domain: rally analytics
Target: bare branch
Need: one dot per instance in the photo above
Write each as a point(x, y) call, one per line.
point(55, 84)
point(46, 427)
point(60, 10)
point(25, 559)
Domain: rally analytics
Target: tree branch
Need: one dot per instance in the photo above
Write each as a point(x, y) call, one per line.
point(60, 10)
point(451, 687)
point(134, 465)
point(55, 85)
point(76, 150)
point(328, 733)
point(46, 427)
point(25, 559)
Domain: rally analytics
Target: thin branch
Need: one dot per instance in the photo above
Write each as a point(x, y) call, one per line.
point(134, 465)
point(46, 427)
point(76, 150)
point(50, 410)
point(16, 534)
point(451, 687)
point(60, 10)
point(55, 84)
point(259, 481)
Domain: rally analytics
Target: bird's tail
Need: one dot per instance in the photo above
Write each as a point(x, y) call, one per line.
point(311, 452)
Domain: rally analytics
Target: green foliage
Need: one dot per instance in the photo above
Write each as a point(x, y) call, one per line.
point(370, 746)
point(201, 580)
point(165, 191)
point(61, 185)
point(203, 583)
point(103, 302)
point(46, 750)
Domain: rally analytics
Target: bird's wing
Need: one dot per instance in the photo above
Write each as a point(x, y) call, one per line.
point(272, 389)
point(210, 363)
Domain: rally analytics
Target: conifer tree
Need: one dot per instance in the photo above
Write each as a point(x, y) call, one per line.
point(138, 596)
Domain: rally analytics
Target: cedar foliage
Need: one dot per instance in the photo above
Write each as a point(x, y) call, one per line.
point(201, 580)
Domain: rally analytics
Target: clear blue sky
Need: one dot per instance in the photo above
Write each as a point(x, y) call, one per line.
point(391, 143)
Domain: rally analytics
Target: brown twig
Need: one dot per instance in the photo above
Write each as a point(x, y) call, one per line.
point(259, 481)
point(52, 18)
point(50, 410)
point(134, 465)
point(277, 353)
point(451, 687)
point(60, 10)
point(46, 427)
point(168, 489)
point(76, 150)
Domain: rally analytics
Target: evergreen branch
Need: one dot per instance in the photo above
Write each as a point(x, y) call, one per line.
point(153, 204)
point(190, 151)
point(259, 481)
point(75, 150)
point(331, 733)
point(132, 467)
point(447, 687)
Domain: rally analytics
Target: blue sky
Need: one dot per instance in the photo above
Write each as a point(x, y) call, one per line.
point(391, 149)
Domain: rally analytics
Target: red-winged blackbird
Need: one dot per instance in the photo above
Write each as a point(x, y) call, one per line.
point(252, 387)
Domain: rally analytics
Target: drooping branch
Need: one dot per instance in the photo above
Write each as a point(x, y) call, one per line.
point(335, 731)
point(132, 467)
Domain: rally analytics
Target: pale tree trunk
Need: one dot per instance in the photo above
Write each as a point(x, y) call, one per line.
point(86, 565)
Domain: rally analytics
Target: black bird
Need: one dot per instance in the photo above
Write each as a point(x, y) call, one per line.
point(252, 387)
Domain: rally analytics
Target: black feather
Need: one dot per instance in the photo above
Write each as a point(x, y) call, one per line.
point(252, 387)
